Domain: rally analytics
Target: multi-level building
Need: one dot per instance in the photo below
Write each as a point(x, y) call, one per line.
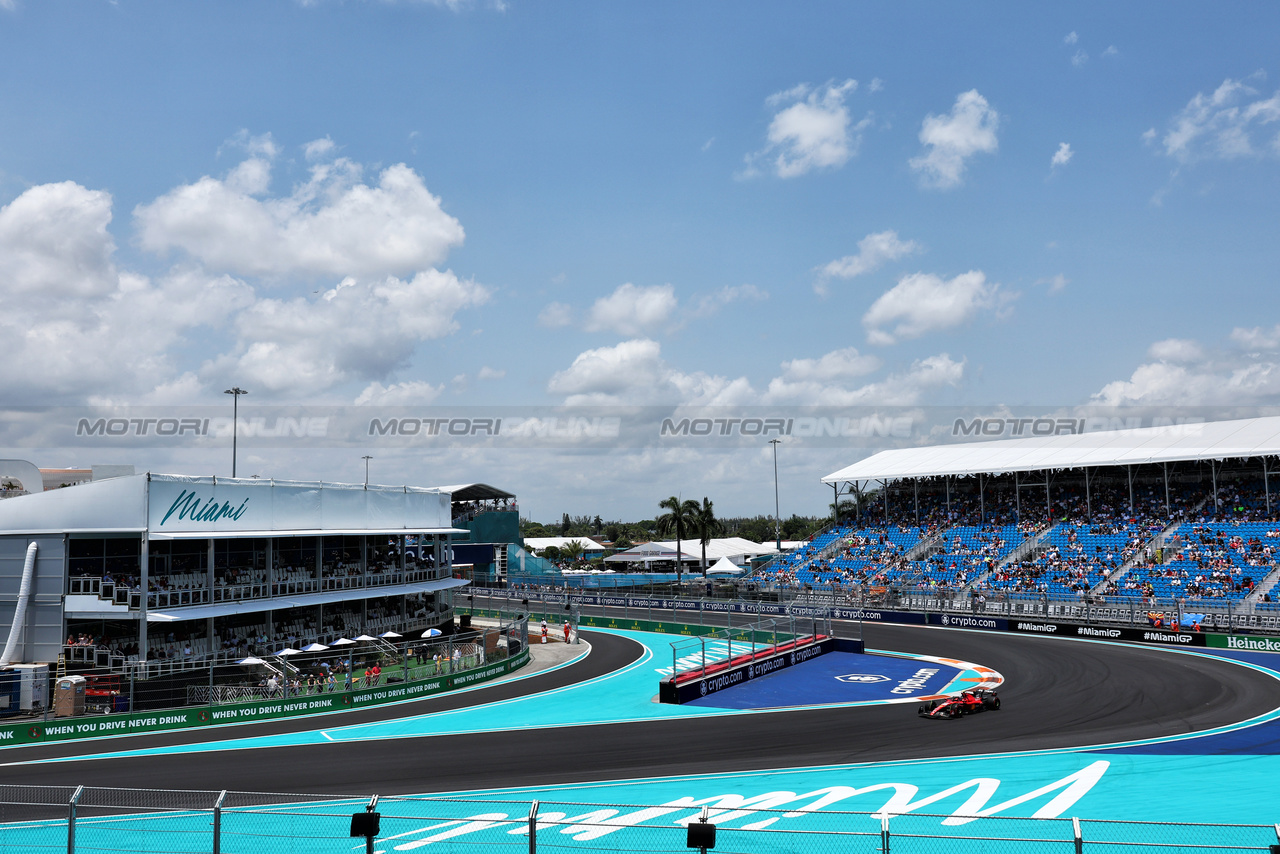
point(154, 567)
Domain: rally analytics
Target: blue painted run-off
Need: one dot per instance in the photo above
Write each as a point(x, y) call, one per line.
point(837, 677)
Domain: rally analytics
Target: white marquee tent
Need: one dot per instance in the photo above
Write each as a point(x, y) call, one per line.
point(1218, 440)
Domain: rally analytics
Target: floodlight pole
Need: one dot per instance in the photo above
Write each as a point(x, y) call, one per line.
point(235, 391)
point(777, 519)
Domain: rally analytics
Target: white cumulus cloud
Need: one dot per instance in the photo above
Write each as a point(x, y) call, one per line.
point(334, 224)
point(1184, 372)
point(874, 251)
point(633, 310)
point(399, 394)
point(611, 372)
point(54, 241)
point(1176, 350)
point(923, 302)
point(1062, 156)
point(814, 130)
point(358, 330)
point(951, 139)
point(634, 373)
point(900, 388)
point(1257, 338)
point(836, 365)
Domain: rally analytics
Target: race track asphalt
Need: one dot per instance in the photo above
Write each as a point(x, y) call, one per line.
point(1059, 693)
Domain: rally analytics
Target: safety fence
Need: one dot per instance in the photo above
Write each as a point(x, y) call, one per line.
point(622, 610)
point(1222, 615)
point(85, 819)
point(288, 685)
point(716, 648)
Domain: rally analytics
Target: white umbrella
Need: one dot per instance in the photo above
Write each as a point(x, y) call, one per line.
point(390, 634)
point(342, 642)
point(365, 638)
point(431, 633)
point(314, 647)
point(251, 660)
point(288, 651)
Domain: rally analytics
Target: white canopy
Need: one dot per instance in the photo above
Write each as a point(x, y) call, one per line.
point(724, 566)
point(1218, 440)
point(537, 544)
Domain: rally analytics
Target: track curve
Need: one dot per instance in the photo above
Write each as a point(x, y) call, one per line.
point(1058, 694)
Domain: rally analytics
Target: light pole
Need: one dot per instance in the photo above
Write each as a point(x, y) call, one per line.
point(235, 391)
point(777, 519)
point(366, 459)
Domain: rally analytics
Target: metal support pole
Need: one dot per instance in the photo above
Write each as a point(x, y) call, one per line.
point(1266, 485)
point(1088, 499)
point(884, 484)
point(1213, 472)
point(884, 833)
point(777, 513)
point(915, 486)
point(71, 820)
point(533, 828)
point(1079, 839)
point(217, 823)
point(1167, 510)
point(1048, 503)
point(1017, 496)
point(1128, 470)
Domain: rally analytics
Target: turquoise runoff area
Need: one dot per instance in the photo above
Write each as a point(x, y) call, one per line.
point(1223, 776)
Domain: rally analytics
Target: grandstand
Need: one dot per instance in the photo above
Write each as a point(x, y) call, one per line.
point(1177, 517)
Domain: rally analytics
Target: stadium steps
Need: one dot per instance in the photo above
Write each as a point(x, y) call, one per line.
point(928, 546)
point(1263, 587)
point(1140, 556)
point(1026, 548)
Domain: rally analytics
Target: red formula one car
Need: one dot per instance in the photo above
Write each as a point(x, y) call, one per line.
point(978, 700)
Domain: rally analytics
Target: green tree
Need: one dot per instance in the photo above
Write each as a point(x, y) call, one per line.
point(565, 524)
point(678, 520)
point(846, 510)
point(707, 527)
point(573, 551)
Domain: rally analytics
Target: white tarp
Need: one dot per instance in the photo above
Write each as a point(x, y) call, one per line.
point(1216, 440)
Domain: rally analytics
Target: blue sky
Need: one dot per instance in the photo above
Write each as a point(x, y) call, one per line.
point(493, 204)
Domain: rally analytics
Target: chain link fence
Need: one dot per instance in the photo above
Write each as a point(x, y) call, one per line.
point(83, 819)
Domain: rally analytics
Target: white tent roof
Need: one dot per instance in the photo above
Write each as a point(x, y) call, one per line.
point(1218, 440)
point(724, 566)
point(720, 547)
point(691, 550)
point(540, 543)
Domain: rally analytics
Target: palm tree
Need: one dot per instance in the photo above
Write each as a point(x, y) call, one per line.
point(707, 526)
point(679, 520)
point(573, 550)
point(846, 510)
